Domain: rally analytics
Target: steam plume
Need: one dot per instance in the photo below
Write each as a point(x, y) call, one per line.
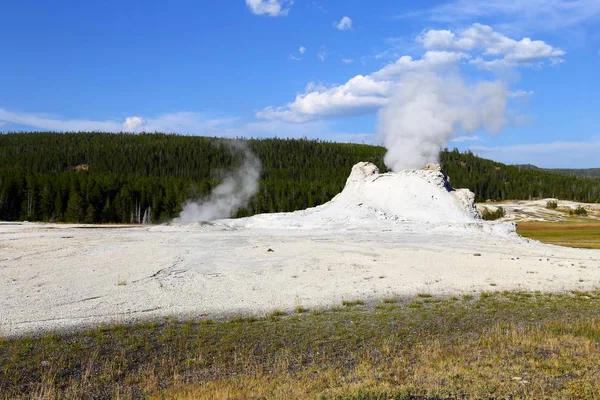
point(428, 109)
point(230, 195)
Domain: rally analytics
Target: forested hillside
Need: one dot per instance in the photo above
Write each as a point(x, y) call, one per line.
point(496, 181)
point(584, 172)
point(101, 177)
point(587, 172)
point(98, 177)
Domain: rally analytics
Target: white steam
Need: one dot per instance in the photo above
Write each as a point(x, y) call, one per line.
point(429, 109)
point(230, 195)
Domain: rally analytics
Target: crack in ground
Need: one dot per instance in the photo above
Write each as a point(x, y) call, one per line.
point(81, 301)
point(169, 272)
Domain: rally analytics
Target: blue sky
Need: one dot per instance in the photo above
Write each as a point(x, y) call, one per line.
point(319, 69)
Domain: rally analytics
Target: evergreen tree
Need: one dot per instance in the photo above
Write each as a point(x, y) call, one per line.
point(90, 215)
point(58, 207)
point(75, 210)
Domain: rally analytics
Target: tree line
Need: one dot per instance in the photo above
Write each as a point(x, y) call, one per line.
point(123, 178)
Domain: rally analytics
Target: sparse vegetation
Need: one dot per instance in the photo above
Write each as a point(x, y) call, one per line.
point(390, 300)
point(580, 211)
point(276, 314)
point(497, 345)
point(352, 303)
point(491, 215)
point(551, 205)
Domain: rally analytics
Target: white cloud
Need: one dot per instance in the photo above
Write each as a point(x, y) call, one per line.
point(313, 130)
point(431, 61)
point(179, 122)
point(466, 138)
point(47, 122)
point(294, 58)
point(367, 94)
point(185, 122)
point(133, 124)
point(188, 123)
point(271, 8)
point(527, 14)
point(347, 60)
point(445, 53)
point(360, 95)
point(302, 50)
point(319, 7)
point(548, 155)
point(344, 24)
point(322, 55)
point(520, 93)
point(499, 49)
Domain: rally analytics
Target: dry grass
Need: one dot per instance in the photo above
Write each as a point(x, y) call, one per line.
point(496, 345)
point(582, 234)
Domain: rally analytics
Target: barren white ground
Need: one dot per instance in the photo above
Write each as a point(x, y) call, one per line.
point(384, 235)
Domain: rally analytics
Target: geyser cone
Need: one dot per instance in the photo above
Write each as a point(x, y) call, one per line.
point(371, 200)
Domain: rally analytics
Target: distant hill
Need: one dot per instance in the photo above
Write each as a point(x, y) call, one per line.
point(585, 172)
point(496, 181)
point(588, 172)
point(105, 177)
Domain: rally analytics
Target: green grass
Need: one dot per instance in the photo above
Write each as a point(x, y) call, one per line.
point(276, 314)
point(481, 346)
point(575, 233)
point(390, 300)
point(352, 303)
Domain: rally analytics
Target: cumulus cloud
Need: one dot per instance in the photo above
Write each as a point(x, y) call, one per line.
point(430, 61)
point(133, 124)
point(500, 49)
point(344, 24)
point(301, 51)
point(360, 95)
point(271, 8)
point(445, 52)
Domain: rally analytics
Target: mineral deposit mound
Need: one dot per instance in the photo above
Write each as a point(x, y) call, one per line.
point(371, 199)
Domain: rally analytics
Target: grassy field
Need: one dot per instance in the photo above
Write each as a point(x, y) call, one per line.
point(517, 345)
point(574, 233)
